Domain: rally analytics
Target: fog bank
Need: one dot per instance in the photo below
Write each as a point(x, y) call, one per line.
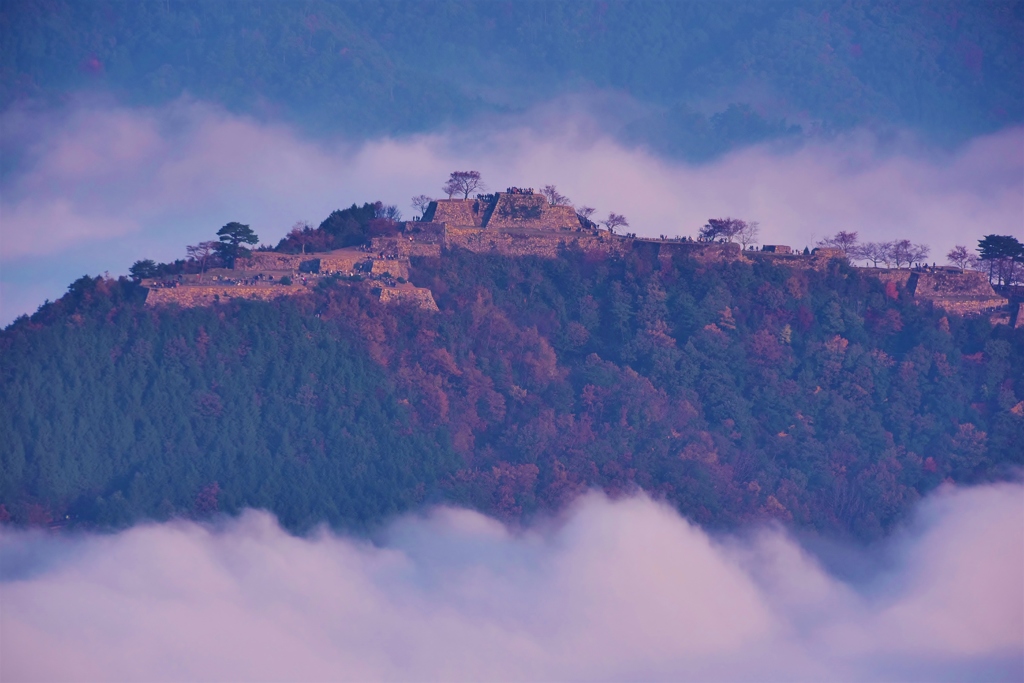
point(615, 590)
point(97, 185)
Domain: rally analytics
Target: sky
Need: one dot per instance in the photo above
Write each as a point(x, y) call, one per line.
point(620, 589)
point(94, 185)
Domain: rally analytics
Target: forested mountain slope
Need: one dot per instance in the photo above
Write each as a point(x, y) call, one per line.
point(736, 391)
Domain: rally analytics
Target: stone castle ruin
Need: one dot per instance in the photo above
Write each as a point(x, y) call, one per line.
point(266, 275)
point(961, 292)
point(520, 223)
point(521, 210)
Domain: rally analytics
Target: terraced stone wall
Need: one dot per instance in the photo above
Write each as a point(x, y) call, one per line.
point(341, 261)
point(463, 212)
point(962, 293)
point(394, 267)
point(531, 211)
point(702, 251)
point(953, 283)
point(404, 247)
point(207, 295)
point(271, 260)
point(420, 296)
point(529, 243)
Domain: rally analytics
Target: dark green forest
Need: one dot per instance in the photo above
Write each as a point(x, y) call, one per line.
point(735, 391)
point(706, 76)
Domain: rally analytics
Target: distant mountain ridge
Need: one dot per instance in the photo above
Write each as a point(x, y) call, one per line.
point(708, 76)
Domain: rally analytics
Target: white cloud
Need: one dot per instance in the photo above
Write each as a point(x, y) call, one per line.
point(104, 177)
point(615, 590)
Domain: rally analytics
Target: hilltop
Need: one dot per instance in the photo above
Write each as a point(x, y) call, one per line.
point(521, 223)
point(736, 384)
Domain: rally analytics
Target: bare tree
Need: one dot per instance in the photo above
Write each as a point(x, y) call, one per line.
point(464, 183)
point(904, 253)
point(614, 221)
point(388, 212)
point(875, 252)
point(420, 202)
point(959, 256)
point(900, 252)
point(555, 198)
point(201, 253)
point(847, 241)
point(721, 228)
point(584, 214)
point(748, 233)
point(919, 253)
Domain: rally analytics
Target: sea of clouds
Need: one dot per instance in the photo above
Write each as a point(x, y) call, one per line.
point(612, 590)
point(96, 185)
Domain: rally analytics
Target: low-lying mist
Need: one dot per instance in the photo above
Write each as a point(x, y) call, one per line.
point(615, 589)
point(96, 186)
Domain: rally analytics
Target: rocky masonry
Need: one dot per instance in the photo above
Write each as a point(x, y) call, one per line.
point(338, 261)
point(503, 211)
point(532, 212)
point(525, 243)
point(963, 292)
point(464, 212)
point(953, 290)
point(420, 296)
point(520, 223)
point(207, 295)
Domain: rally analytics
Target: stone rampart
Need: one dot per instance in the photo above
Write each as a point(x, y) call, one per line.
point(899, 276)
point(405, 246)
point(962, 293)
point(462, 212)
point(424, 232)
point(529, 243)
point(207, 295)
point(953, 283)
point(421, 296)
point(702, 251)
point(393, 267)
point(531, 211)
point(271, 261)
point(345, 261)
point(341, 261)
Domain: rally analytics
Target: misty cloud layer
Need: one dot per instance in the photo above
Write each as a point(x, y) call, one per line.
point(615, 590)
point(96, 186)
